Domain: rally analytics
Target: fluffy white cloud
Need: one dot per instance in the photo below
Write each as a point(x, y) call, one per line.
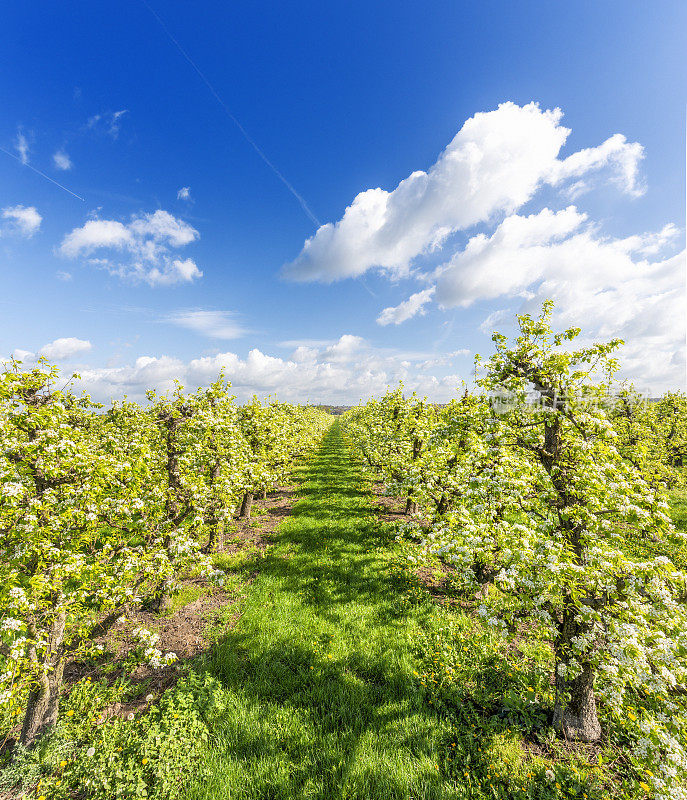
point(622, 155)
point(64, 348)
point(22, 220)
point(184, 193)
point(168, 273)
point(495, 164)
point(61, 160)
point(144, 244)
point(506, 262)
point(343, 372)
point(415, 304)
point(215, 324)
point(606, 286)
point(346, 349)
point(96, 233)
point(23, 355)
point(303, 355)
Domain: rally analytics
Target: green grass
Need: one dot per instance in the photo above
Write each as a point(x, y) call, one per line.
point(319, 672)
point(186, 594)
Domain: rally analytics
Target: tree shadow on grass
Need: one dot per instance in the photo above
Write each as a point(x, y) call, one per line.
point(358, 724)
point(317, 724)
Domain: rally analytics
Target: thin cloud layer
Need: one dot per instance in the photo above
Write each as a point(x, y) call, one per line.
point(139, 251)
point(409, 308)
point(214, 324)
point(21, 145)
point(110, 122)
point(495, 164)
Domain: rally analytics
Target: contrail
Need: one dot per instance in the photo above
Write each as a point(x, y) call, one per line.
point(42, 174)
point(244, 132)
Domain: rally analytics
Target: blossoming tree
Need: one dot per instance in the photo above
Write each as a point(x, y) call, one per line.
point(68, 549)
point(543, 512)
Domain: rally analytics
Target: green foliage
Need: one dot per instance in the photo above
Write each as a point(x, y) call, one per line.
point(156, 755)
point(552, 520)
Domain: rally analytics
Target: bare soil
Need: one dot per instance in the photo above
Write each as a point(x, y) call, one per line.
point(188, 631)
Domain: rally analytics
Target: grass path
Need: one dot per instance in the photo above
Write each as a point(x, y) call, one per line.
point(319, 670)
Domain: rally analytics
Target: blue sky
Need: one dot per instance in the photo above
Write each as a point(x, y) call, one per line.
point(347, 101)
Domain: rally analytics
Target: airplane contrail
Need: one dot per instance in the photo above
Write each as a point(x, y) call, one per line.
point(244, 132)
point(42, 174)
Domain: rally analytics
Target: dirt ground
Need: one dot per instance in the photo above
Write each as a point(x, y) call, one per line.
point(186, 631)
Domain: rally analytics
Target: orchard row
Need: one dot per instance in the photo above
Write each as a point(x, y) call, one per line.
point(552, 510)
point(102, 510)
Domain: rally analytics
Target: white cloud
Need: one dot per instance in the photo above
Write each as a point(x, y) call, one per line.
point(139, 250)
point(304, 355)
point(184, 193)
point(169, 273)
point(21, 220)
point(161, 226)
point(21, 145)
point(415, 304)
point(61, 160)
point(488, 325)
point(495, 164)
point(64, 348)
point(215, 324)
point(650, 244)
point(506, 262)
point(95, 234)
point(345, 349)
point(344, 372)
point(617, 152)
point(442, 361)
point(61, 275)
point(23, 355)
point(604, 285)
point(109, 121)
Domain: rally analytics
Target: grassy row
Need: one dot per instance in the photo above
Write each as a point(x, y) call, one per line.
point(321, 672)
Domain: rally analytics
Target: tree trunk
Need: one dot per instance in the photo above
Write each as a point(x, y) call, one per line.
point(263, 493)
point(215, 537)
point(246, 505)
point(578, 719)
point(43, 703)
point(211, 545)
point(574, 713)
point(163, 602)
point(411, 506)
